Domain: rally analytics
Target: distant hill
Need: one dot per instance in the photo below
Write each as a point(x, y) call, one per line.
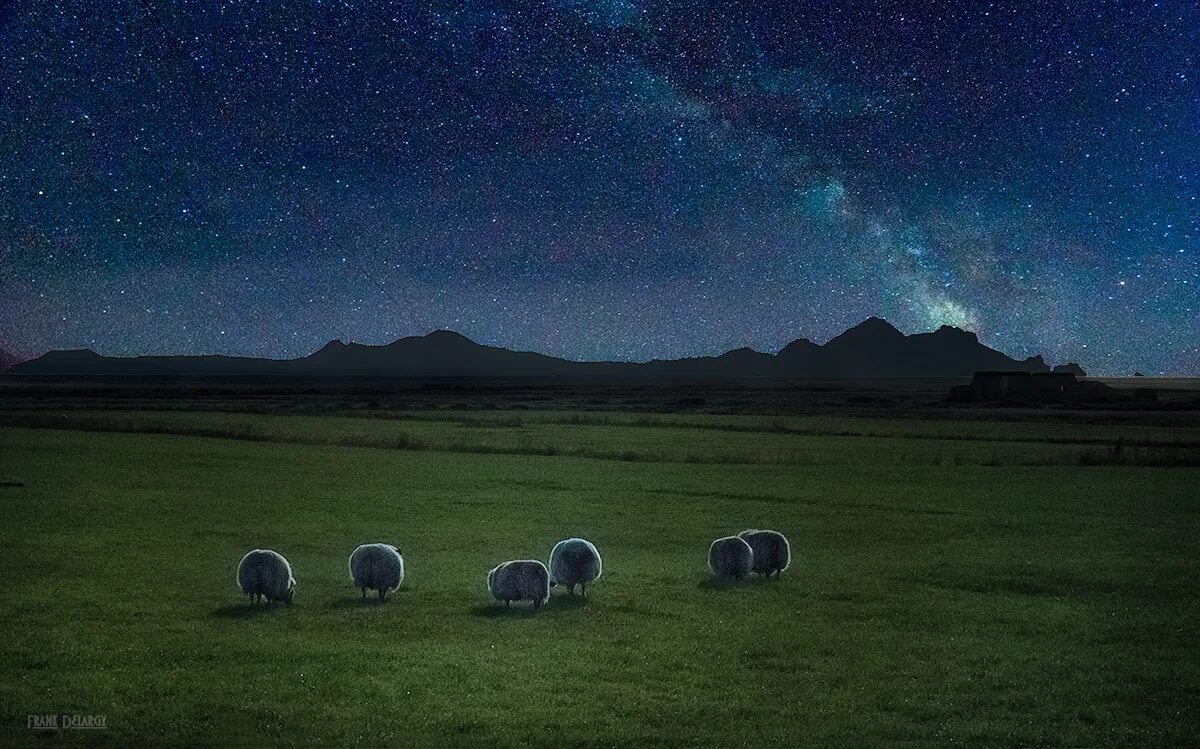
point(1072, 368)
point(8, 360)
point(873, 348)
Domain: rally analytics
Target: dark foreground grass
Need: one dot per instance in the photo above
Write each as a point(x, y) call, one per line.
point(753, 440)
point(934, 604)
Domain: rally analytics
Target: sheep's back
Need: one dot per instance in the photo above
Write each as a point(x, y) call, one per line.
point(771, 549)
point(575, 560)
point(730, 557)
point(520, 580)
point(377, 566)
point(265, 572)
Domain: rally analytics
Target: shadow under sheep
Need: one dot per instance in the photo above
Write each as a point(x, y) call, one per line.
point(712, 583)
point(246, 610)
point(523, 609)
point(370, 602)
point(249, 610)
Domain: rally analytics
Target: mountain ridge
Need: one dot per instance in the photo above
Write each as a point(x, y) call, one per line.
point(8, 360)
point(873, 348)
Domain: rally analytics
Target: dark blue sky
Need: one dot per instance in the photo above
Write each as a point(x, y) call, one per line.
point(601, 179)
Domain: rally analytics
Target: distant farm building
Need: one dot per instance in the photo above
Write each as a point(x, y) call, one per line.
point(1040, 387)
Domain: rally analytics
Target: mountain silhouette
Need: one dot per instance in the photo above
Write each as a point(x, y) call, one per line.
point(873, 348)
point(441, 353)
point(1071, 367)
point(8, 360)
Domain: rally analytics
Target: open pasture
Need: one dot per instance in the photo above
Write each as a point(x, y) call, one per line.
point(955, 582)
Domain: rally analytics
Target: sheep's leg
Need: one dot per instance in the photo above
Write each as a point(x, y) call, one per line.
point(382, 592)
point(507, 602)
point(537, 604)
point(583, 590)
point(571, 588)
point(364, 590)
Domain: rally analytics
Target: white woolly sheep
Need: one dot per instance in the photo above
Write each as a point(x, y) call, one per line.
point(265, 574)
point(520, 580)
point(574, 561)
point(730, 558)
point(772, 554)
point(377, 567)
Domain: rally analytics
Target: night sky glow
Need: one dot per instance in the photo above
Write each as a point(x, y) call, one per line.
point(601, 178)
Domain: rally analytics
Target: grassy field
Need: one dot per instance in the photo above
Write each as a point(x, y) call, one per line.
point(958, 582)
point(705, 439)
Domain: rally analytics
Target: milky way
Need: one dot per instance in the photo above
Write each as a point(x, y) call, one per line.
point(601, 178)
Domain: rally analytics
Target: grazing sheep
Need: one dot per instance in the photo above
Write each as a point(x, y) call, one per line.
point(265, 574)
point(730, 558)
point(575, 561)
point(378, 567)
point(772, 554)
point(520, 580)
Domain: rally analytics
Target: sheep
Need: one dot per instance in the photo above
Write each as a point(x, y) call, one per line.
point(265, 574)
point(378, 567)
point(574, 561)
point(520, 580)
point(730, 558)
point(772, 554)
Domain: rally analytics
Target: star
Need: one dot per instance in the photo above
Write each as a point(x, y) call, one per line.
point(600, 178)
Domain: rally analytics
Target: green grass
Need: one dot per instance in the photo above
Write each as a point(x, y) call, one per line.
point(753, 440)
point(928, 602)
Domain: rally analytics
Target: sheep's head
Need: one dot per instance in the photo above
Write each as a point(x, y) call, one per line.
point(287, 596)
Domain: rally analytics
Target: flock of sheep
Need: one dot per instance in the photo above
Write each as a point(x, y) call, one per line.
point(265, 575)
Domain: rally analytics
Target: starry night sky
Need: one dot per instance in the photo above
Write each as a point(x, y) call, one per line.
point(601, 178)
